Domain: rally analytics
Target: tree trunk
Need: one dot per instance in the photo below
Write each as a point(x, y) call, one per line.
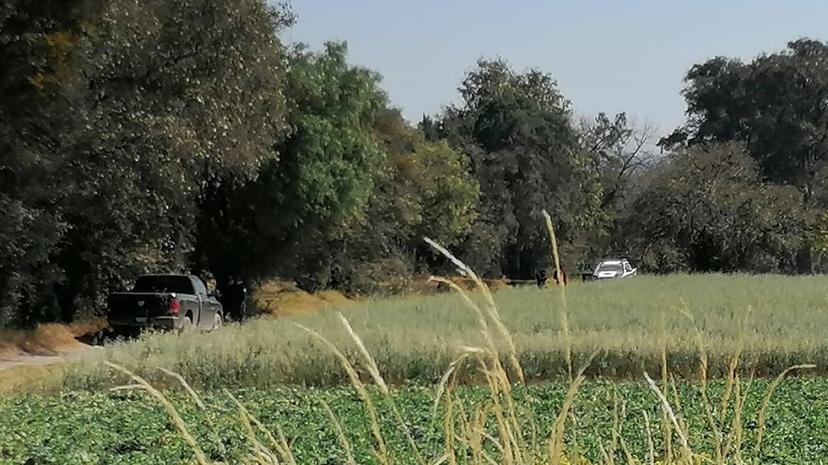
point(513, 265)
point(528, 264)
point(804, 263)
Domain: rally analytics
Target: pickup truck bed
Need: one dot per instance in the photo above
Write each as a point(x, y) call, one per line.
point(142, 309)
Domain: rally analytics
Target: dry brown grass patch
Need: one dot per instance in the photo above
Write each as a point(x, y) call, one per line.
point(283, 298)
point(46, 339)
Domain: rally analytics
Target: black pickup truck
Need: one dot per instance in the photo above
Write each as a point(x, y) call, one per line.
point(164, 301)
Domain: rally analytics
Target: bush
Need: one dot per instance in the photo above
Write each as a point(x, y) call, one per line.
point(386, 276)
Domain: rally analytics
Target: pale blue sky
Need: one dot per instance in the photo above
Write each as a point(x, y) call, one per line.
point(606, 55)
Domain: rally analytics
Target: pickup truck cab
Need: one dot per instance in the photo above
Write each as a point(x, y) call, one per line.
point(615, 268)
point(164, 301)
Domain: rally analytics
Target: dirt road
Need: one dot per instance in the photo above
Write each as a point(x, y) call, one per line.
point(23, 359)
point(20, 372)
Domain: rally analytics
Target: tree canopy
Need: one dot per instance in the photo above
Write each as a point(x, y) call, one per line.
point(117, 117)
point(517, 130)
point(321, 173)
point(775, 105)
point(706, 209)
point(185, 136)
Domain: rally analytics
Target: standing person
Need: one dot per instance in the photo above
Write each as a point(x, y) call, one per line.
point(563, 279)
point(236, 300)
point(242, 308)
point(540, 277)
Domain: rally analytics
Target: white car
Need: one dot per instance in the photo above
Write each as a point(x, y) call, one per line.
point(618, 268)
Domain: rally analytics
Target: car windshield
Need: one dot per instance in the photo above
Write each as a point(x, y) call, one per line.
point(616, 267)
point(177, 284)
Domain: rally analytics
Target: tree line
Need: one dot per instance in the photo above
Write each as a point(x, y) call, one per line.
point(169, 136)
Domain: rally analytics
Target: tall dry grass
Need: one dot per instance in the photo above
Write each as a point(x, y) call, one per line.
point(498, 430)
point(632, 325)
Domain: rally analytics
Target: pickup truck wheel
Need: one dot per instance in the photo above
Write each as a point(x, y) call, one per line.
point(186, 325)
point(217, 322)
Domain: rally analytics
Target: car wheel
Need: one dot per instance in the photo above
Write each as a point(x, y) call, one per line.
point(186, 325)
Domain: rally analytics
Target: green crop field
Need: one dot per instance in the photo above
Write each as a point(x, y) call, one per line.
point(130, 428)
point(430, 380)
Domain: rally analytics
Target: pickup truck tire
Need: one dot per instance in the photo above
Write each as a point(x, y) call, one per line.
point(125, 332)
point(217, 322)
point(186, 325)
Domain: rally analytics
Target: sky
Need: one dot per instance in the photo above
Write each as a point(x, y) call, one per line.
point(610, 56)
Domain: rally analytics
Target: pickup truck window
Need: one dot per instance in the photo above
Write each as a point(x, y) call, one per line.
point(610, 266)
point(162, 283)
point(200, 288)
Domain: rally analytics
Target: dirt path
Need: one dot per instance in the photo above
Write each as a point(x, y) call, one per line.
point(75, 352)
point(19, 372)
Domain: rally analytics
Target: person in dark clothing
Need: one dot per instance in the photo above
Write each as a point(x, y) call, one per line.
point(562, 279)
point(540, 277)
point(235, 300)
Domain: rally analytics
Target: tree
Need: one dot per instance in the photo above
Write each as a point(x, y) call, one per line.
point(176, 96)
point(620, 154)
point(620, 151)
point(775, 106)
point(423, 189)
point(321, 173)
point(431, 183)
point(525, 155)
point(34, 44)
point(125, 114)
point(706, 209)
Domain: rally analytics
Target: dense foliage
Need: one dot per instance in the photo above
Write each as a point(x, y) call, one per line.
point(775, 105)
point(323, 171)
point(115, 117)
point(172, 136)
point(517, 130)
point(706, 209)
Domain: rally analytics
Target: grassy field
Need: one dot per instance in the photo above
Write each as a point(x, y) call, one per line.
point(429, 380)
point(772, 321)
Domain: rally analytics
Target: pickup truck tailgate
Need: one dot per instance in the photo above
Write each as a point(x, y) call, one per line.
point(132, 306)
